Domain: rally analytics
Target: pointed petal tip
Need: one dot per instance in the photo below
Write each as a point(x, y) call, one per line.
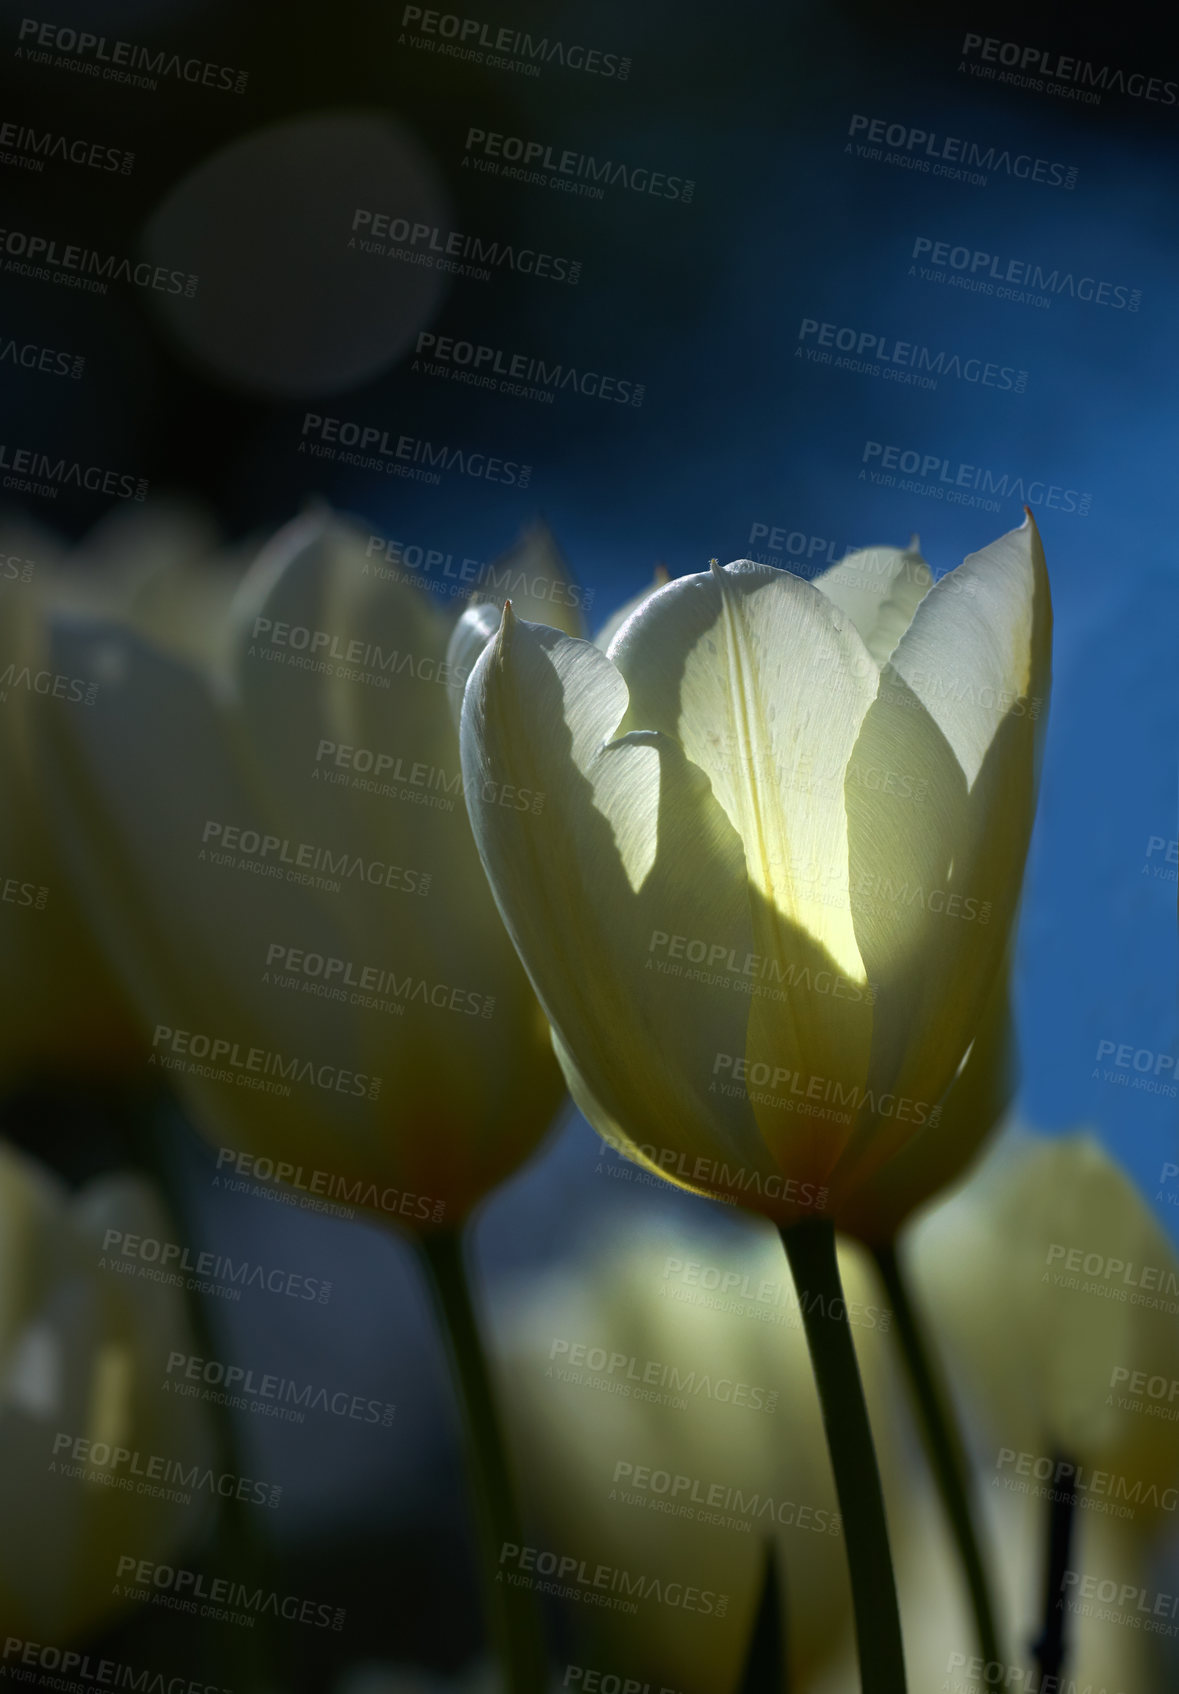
point(662, 575)
point(508, 625)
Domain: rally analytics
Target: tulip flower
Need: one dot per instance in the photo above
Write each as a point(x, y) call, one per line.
point(80, 1352)
point(275, 853)
point(1054, 1292)
point(782, 961)
point(1052, 1238)
point(66, 1012)
point(734, 787)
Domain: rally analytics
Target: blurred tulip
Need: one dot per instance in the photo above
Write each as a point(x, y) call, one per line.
point(782, 958)
point(274, 849)
point(65, 1013)
point(80, 1354)
point(615, 621)
point(940, 1650)
point(1056, 1293)
point(662, 1391)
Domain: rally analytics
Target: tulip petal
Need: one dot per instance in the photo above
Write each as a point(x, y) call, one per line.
point(469, 637)
point(766, 684)
point(969, 658)
point(379, 703)
point(879, 588)
point(320, 649)
point(630, 867)
point(181, 909)
point(935, 884)
point(934, 1158)
point(755, 673)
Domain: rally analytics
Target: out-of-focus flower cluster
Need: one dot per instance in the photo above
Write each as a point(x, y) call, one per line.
point(240, 869)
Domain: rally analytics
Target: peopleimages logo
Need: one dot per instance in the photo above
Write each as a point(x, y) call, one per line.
point(31, 356)
point(240, 1381)
point(14, 892)
point(342, 979)
point(569, 170)
point(391, 237)
point(104, 1673)
point(1141, 1068)
point(778, 1087)
point(32, 472)
point(1033, 279)
point(957, 476)
point(712, 1502)
point(951, 156)
point(97, 1461)
point(308, 864)
point(1105, 1492)
point(254, 1066)
point(260, 1172)
point(223, 1598)
point(1026, 64)
point(903, 361)
point(78, 50)
point(569, 1570)
point(79, 690)
point(503, 48)
point(403, 455)
point(31, 148)
point(172, 1261)
point(471, 577)
point(639, 1375)
point(40, 256)
point(519, 374)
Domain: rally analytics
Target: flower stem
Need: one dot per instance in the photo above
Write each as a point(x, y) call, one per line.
point(767, 1661)
point(1050, 1646)
point(242, 1553)
point(810, 1249)
point(943, 1444)
point(513, 1614)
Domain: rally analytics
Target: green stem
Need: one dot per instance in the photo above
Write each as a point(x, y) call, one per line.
point(943, 1444)
point(514, 1619)
point(1050, 1645)
point(767, 1660)
point(241, 1552)
point(810, 1249)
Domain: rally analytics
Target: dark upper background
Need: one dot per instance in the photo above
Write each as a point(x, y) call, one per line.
point(702, 304)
